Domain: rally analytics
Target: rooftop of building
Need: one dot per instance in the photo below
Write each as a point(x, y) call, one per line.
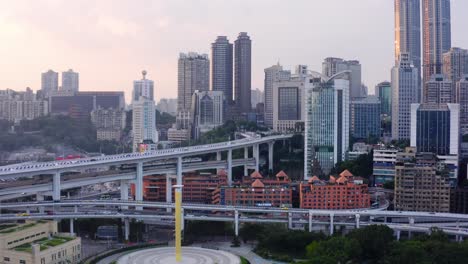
point(13, 227)
point(44, 243)
point(343, 178)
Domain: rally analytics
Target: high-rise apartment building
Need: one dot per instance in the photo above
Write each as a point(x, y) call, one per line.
point(17, 106)
point(436, 36)
point(462, 99)
point(243, 71)
point(222, 67)
point(193, 75)
point(439, 90)
point(408, 33)
point(365, 118)
point(143, 88)
point(49, 83)
point(207, 110)
point(383, 91)
point(332, 66)
point(404, 93)
point(144, 113)
point(383, 167)
point(70, 81)
point(272, 74)
point(326, 123)
point(455, 64)
point(420, 184)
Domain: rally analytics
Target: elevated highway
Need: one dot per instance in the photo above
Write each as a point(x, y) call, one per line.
point(452, 224)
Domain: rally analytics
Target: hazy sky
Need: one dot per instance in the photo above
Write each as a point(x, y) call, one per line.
point(109, 42)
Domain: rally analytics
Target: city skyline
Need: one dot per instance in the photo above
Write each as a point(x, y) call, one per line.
point(91, 37)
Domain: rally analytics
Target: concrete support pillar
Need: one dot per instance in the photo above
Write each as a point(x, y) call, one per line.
point(270, 155)
point(310, 220)
point(179, 171)
point(398, 234)
point(246, 156)
point(357, 220)
point(331, 224)
point(168, 191)
point(460, 238)
point(127, 229)
point(72, 229)
point(28, 211)
point(289, 220)
point(411, 220)
point(56, 187)
point(182, 220)
point(229, 167)
point(218, 158)
point(410, 235)
point(139, 184)
point(40, 198)
point(124, 193)
point(256, 154)
point(236, 223)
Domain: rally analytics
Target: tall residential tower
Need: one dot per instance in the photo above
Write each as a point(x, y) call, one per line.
point(221, 67)
point(243, 71)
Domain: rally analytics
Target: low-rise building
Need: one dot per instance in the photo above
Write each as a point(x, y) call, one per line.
point(198, 188)
point(178, 135)
point(254, 190)
point(37, 243)
point(343, 192)
point(109, 123)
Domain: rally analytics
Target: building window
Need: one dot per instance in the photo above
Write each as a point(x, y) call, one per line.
point(6, 259)
point(22, 261)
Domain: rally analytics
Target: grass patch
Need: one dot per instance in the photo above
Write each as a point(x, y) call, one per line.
point(244, 260)
point(2, 227)
point(44, 243)
point(19, 228)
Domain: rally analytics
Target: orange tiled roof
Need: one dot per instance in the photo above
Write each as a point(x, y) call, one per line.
point(258, 184)
point(256, 175)
point(346, 173)
point(332, 179)
point(342, 180)
point(313, 179)
point(282, 174)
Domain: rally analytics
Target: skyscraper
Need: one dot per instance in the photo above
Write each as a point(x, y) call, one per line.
point(326, 123)
point(455, 64)
point(222, 67)
point(70, 81)
point(193, 74)
point(462, 99)
point(332, 66)
point(243, 71)
point(383, 90)
point(408, 32)
point(143, 88)
point(144, 114)
point(434, 128)
point(288, 103)
point(272, 74)
point(365, 118)
point(405, 88)
point(436, 36)
point(439, 90)
point(49, 82)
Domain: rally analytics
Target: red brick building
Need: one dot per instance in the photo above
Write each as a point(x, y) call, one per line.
point(256, 191)
point(198, 188)
point(346, 192)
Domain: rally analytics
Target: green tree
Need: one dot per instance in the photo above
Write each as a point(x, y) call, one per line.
point(374, 241)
